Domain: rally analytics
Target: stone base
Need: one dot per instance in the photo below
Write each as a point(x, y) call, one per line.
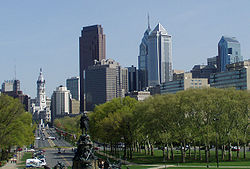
point(82, 165)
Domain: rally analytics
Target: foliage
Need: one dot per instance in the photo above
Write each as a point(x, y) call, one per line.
point(16, 127)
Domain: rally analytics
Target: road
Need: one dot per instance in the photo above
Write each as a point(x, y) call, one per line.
point(49, 145)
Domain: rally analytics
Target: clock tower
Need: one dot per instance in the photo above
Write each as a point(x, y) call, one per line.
point(41, 96)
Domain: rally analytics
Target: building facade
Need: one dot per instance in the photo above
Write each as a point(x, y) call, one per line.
point(139, 95)
point(237, 76)
point(132, 79)
point(60, 102)
point(104, 81)
point(159, 61)
point(39, 107)
point(92, 46)
point(11, 85)
point(228, 52)
point(184, 82)
point(142, 61)
point(73, 85)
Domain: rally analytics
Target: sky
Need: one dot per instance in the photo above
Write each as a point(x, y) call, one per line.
point(45, 34)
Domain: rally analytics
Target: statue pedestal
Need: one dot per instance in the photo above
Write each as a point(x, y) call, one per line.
point(82, 165)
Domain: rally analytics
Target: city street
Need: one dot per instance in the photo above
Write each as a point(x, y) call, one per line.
point(49, 140)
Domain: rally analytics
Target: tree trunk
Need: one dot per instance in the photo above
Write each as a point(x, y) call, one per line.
point(148, 147)
point(244, 151)
point(194, 152)
point(208, 149)
point(189, 151)
point(125, 151)
point(200, 157)
point(223, 152)
point(152, 149)
point(182, 153)
point(131, 153)
point(206, 154)
point(229, 153)
point(163, 153)
point(172, 152)
point(238, 152)
point(168, 154)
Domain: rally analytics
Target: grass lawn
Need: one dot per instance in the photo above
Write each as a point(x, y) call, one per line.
point(141, 158)
point(136, 167)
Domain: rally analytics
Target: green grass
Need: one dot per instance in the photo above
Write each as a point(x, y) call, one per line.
point(141, 158)
point(137, 167)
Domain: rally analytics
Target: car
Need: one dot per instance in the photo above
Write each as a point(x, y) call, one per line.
point(19, 149)
point(52, 138)
point(38, 138)
point(182, 148)
point(34, 162)
point(235, 148)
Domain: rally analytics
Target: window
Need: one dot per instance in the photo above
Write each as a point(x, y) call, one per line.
point(229, 51)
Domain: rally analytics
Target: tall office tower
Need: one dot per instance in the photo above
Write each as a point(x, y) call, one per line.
point(159, 60)
point(228, 52)
point(73, 85)
point(132, 79)
point(41, 96)
point(123, 81)
point(60, 102)
point(103, 82)
point(92, 46)
point(142, 60)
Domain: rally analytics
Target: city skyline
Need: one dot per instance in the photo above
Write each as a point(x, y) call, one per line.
point(32, 38)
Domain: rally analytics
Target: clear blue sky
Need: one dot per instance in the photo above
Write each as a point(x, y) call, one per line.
point(44, 33)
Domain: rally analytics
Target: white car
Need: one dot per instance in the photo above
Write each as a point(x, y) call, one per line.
point(52, 138)
point(38, 138)
point(34, 162)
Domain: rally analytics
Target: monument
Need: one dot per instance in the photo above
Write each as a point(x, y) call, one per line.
point(84, 156)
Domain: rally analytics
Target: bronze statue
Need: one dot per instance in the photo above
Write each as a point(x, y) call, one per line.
point(84, 123)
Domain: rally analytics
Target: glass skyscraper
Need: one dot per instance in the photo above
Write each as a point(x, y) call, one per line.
point(228, 52)
point(159, 61)
point(142, 61)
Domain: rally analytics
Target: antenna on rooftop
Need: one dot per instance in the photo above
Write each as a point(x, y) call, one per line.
point(14, 69)
point(148, 22)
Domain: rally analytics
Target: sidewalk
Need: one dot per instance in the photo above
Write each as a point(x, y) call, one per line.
point(11, 164)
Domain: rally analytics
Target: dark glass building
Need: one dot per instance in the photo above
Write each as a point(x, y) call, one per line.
point(92, 46)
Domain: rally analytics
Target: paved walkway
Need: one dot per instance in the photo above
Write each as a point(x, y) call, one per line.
point(13, 162)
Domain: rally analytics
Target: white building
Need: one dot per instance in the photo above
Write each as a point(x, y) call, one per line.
point(39, 108)
point(60, 102)
point(159, 62)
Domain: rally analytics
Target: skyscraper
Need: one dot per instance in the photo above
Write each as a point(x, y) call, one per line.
point(92, 46)
point(159, 62)
point(228, 52)
point(73, 85)
point(104, 81)
point(132, 79)
point(142, 60)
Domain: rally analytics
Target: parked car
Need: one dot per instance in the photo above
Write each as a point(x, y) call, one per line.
point(235, 148)
point(182, 148)
point(19, 149)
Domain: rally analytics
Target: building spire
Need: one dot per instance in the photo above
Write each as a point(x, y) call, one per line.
point(148, 22)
